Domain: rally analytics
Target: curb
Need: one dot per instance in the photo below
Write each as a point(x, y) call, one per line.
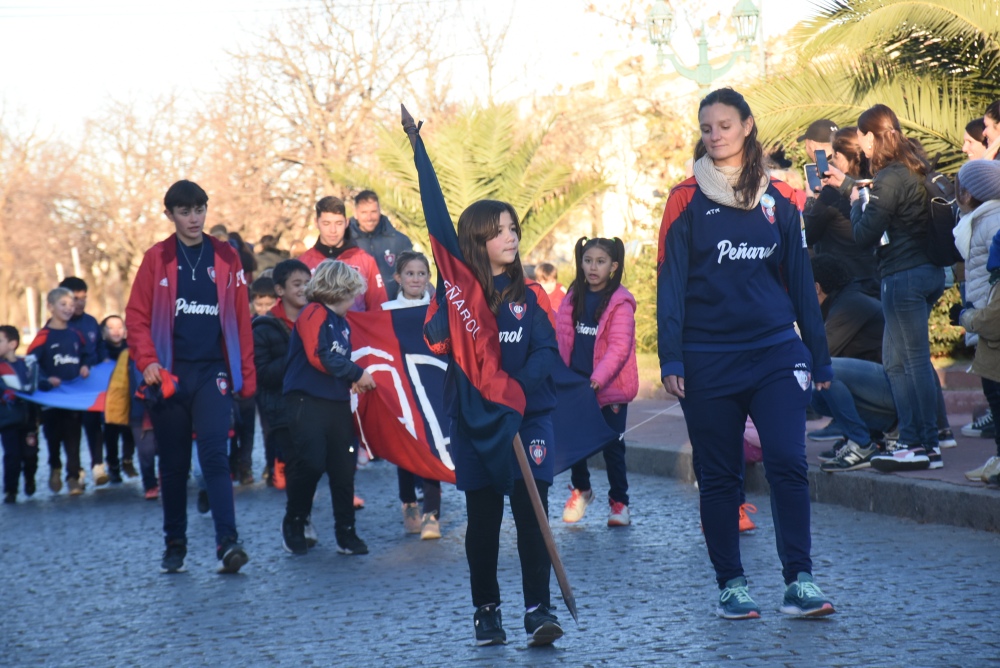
point(923, 501)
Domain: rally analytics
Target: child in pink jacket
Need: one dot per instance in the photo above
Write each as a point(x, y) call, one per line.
point(595, 329)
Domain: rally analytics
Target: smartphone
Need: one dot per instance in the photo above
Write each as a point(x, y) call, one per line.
point(822, 166)
point(812, 178)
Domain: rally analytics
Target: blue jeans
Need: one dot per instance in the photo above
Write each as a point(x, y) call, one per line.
point(907, 299)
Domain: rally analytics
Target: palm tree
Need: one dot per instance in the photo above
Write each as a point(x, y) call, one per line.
point(934, 62)
point(482, 153)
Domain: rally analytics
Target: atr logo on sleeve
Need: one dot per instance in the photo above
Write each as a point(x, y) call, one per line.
point(537, 450)
point(194, 308)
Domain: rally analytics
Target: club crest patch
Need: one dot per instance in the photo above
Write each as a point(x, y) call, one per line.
point(537, 451)
point(518, 310)
point(767, 205)
point(616, 408)
point(222, 382)
point(211, 274)
point(803, 376)
point(390, 258)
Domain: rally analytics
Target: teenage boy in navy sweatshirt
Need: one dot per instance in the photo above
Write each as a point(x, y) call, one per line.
point(188, 319)
point(88, 326)
point(61, 353)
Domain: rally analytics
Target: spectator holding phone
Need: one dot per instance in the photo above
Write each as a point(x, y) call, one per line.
point(828, 221)
point(818, 137)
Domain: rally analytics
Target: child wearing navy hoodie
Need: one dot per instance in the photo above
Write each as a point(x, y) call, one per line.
point(489, 235)
point(61, 353)
point(17, 418)
point(319, 380)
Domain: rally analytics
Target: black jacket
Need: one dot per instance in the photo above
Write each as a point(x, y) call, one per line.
point(384, 243)
point(898, 206)
point(829, 232)
point(270, 350)
point(854, 324)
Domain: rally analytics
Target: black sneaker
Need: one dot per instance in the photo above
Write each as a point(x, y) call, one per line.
point(128, 468)
point(204, 507)
point(231, 555)
point(831, 454)
point(29, 486)
point(489, 626)
point(293, 535)
point(10, 497)
point(115, 476)
point(246, 477)
point(173, 557)
point(349, 543)
point(542, 627)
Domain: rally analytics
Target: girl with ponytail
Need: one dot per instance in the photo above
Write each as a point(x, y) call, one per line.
point(595, 330)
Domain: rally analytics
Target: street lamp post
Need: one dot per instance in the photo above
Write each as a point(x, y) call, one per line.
point(660, 21)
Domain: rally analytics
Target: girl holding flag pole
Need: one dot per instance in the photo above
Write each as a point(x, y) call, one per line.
point(499, 389)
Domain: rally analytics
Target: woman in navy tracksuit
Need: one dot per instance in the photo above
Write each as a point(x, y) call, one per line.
point(733, 279)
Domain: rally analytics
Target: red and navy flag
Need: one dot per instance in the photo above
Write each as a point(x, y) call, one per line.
point(490, 402)
point(403, 420)
point(80, 394)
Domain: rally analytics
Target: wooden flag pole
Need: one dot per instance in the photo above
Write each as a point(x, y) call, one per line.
point(543, 524)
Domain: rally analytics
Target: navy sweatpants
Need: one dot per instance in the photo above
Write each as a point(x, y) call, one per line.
point(772, 385)
point(203, 404)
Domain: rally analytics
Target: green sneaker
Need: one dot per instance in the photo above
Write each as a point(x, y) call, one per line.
point(804, 599)
point(735, 601)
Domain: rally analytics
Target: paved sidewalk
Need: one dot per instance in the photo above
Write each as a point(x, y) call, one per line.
point(657, 443)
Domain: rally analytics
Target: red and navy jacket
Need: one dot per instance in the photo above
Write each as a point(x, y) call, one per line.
point(732, 280)
point(375, 294)
point(60, 353)
point(319, 355)
point(149, 315)
point(13, 378)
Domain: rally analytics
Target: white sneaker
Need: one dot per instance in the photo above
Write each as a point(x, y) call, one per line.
point(100, 473)
point(363, 457)
point(411, 518)
point(619, 516)
point(979, 425)
point(576, 505)
point(430, 528)
point(983, 473)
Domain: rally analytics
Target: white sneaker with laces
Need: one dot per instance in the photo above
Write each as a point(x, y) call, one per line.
point(411, 518)
point(100, 473)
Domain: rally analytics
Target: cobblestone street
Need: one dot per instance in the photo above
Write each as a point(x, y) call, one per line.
point(82, 586)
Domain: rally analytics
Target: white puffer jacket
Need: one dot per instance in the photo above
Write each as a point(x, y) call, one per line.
point(977, 229)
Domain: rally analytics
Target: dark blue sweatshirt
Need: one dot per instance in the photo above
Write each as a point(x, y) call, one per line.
point(87, 325)
point(197, 326)
point(319, 356)
point(733, 280)
point(60, 353)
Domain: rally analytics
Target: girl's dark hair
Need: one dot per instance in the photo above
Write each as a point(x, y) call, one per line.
point(976, 129)
point(479, 223)
point(754, 161)
point(993, 111)
point(845, 142)
point(616, 251)
point(408, 256)
point(890, 144)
